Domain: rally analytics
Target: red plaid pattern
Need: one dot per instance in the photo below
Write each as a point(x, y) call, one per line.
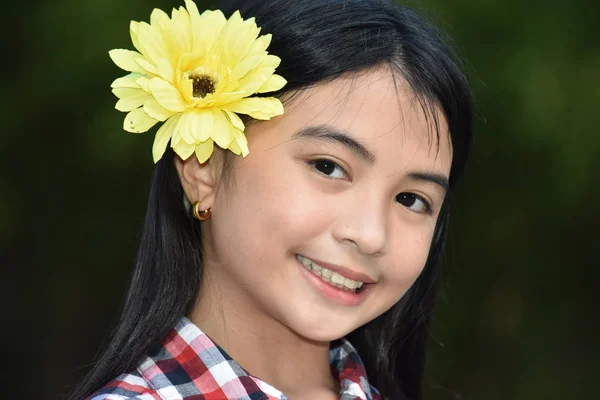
point(189, 365)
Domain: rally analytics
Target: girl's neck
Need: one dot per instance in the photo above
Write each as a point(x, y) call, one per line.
point(263, 346)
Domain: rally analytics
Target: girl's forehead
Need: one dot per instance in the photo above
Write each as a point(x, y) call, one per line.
point(377, 108)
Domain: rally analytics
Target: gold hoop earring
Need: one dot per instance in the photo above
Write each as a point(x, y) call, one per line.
point(200, 215)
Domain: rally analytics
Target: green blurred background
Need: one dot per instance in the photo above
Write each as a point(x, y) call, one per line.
point(516, 319)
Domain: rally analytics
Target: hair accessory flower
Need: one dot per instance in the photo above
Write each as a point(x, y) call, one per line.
point(195, 72)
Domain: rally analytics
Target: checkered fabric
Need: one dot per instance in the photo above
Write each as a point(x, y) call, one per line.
point(189, 365)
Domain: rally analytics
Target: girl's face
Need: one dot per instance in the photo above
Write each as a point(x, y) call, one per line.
point(344, 190)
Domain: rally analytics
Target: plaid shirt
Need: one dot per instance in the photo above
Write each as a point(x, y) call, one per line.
point(189, 365)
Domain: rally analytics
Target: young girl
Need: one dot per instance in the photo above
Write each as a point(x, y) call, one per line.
point(297, 258)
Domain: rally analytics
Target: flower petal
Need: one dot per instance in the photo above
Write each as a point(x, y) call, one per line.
point(151, 42)
point(242, 141)
point(202, 124)
point(222, 132)
point(183, 149)
point(256, 78)
point(235, 148)
point(156, 111)
point(159, 18)
point(163, 136)
point(260, 45)
point(137, 121)
point(165, 70)
point(237, 38)
point(181, 31)
point(126, 59)
point(274, 83)
point(235, 120)
point(205, 29)
point(185, 129)
point(142, 62)
point(257, 107)
point(175, 140)
point(127, 81)
point(144, 83)
point(130, 99)
point(204, 150)
point(239, 144)
point(245, 66)
point(173, 47)
point(192, 9)
point(134, 33)
point(166, 95)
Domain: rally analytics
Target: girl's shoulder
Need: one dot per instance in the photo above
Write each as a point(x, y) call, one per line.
point(128, 386)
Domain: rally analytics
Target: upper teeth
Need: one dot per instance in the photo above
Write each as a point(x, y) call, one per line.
point(328, 276)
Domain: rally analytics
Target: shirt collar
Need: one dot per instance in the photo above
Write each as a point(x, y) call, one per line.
point(188, 363)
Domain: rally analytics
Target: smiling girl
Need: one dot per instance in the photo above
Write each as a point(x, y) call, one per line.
point(301, 264)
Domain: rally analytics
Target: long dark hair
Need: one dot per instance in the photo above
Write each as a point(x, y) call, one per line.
point(318, 41)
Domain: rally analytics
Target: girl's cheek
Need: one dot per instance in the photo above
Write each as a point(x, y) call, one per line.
point(409, 256)
point(296, 212)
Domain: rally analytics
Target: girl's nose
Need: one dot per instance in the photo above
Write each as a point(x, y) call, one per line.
point(362, 223)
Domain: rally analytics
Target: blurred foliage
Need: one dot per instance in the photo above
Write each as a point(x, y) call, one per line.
point(516, 319)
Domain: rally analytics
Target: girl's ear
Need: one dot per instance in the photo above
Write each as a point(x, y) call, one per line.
point(198, 180)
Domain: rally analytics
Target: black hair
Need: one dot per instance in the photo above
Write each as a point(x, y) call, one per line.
point(317, 41)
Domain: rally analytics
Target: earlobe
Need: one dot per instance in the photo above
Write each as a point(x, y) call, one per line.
point(197, 180)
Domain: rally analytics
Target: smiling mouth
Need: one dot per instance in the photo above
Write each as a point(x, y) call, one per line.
point(330, 277)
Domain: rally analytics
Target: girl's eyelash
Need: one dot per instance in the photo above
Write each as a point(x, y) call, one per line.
point(408, 197)
point(328, 168)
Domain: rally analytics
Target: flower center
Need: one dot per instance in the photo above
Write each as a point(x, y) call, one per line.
point(202, 85)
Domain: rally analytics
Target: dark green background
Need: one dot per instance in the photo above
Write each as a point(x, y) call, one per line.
point(517, 318)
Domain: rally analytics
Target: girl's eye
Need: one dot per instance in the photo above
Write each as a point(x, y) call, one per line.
point(413, 202)
point(329, 168)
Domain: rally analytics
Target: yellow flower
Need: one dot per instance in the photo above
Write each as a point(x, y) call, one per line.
point(195, 72)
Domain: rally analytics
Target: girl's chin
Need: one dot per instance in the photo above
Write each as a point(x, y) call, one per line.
point(321, 329)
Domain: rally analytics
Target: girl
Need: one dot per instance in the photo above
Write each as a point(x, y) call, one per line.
point(301, 263)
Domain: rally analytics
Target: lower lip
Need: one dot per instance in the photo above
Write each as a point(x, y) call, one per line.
point(333, 293)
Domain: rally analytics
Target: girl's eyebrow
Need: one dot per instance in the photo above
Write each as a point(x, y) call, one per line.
point(328, 133)
point(439, 179)
point(331, 134)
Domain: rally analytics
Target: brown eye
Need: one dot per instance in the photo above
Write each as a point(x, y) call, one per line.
point(413, 202)
point(329, 168)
